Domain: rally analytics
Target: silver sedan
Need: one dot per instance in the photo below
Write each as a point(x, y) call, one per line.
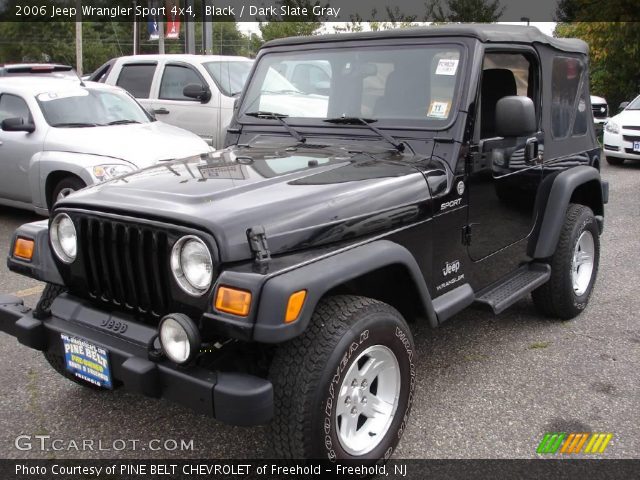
point(58, 136)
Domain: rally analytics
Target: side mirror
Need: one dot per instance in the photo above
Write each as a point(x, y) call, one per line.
point(197, 92)
point(622, 106)
point(515, 116)
point(17, 125)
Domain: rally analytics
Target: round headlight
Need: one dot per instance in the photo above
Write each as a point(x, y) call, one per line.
point(179, 338)
point(192, 265)
point(63, 238)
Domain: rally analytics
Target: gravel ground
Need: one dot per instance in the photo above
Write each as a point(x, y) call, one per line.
point(489, 387)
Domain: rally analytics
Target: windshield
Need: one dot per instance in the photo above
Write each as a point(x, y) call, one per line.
point(86, 107)
point(416, 84)
point(634, 105)
point(230, 76)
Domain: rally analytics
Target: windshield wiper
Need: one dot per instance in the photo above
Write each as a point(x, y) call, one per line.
point(122, 122)
point(367, 123)
point(74, 124)
point(281, 118)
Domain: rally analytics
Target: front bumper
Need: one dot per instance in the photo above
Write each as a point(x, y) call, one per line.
point(234, 398)
point(620, 145)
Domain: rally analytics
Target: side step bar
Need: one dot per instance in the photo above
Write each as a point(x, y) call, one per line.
point(507, 291)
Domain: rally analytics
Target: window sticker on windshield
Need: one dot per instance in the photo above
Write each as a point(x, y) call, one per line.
point(439, 109)
point(447, 66)
point(48, 96)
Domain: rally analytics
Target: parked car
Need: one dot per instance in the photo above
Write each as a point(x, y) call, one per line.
point(600, 110)
point(622, 134)
point(277, 281)
point(39, 69)
point(57, 136)
point(194, 92)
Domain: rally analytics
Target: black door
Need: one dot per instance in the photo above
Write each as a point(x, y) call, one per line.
point(502, 182)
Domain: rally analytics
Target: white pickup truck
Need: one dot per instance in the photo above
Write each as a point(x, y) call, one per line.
point(194, 92)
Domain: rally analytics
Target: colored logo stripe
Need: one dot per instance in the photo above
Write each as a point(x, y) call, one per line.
point(573, 443)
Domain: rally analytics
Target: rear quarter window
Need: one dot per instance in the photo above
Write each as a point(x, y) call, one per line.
point(566, 85)
point(136, 79)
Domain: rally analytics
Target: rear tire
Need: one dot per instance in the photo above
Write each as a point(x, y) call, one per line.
point(344, 388)
point(574, 266)
point(615, 161)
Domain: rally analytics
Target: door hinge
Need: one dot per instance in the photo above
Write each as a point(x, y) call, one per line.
point(258, 244)
point(466, 235)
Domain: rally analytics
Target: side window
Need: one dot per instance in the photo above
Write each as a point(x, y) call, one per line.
point(136, 78)
point(12, 106)
point(174, 79)
point(503, 75)
point(580, 124)
point(566, 77)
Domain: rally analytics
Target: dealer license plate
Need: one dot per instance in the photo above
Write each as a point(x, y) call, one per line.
point(636, 146)
point(87, 361)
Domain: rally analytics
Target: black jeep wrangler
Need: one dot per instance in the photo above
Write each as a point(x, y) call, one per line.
point(374, 181)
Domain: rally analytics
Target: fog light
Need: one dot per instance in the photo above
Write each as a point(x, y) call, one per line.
point(23, 248)
point(179, 338)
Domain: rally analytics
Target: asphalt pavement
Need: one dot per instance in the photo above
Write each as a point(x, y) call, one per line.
point(488, 387)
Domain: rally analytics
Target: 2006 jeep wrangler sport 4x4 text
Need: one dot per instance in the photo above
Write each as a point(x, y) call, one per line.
point(392, 178)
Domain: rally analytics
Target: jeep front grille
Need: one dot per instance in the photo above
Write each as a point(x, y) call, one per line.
point(125, 264)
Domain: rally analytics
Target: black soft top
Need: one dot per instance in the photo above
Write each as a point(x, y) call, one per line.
point(485, 32)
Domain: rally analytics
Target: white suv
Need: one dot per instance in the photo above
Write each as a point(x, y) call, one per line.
point(194, 92)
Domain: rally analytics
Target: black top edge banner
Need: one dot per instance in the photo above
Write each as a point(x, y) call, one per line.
point(351, 11)
point(209, 469)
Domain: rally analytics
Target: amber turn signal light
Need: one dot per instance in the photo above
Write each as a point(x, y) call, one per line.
point(296, 301)
point(23, 248)
point(234, 301)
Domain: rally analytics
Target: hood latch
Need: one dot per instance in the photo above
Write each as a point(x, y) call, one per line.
point(258, 244)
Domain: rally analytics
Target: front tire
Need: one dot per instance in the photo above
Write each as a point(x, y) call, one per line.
point(344, 388)
point(574, 266)
point(64, 188)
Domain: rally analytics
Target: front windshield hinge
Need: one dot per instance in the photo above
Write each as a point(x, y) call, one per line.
point(258, 244)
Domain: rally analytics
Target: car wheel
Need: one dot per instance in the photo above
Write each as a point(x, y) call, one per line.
point(574, 266)
point(615, 160)
point(344, 388)
point(64, 188)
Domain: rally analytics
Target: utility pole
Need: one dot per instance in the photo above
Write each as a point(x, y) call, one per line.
point(136, 37)
point(207, 28)
point(161, 37)
point(79, 37)
point(189, 28)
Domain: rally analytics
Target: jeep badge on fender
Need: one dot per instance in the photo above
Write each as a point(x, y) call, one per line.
point(400, 183)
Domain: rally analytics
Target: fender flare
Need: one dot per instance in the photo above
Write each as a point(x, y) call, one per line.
point(560, 189)
point(321, 276)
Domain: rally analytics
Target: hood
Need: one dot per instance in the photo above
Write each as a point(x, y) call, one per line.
point(303, 195)
point(627, 117)
point(140, 144)
point(597, 100)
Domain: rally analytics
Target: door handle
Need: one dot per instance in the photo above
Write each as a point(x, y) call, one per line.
point(160, 111)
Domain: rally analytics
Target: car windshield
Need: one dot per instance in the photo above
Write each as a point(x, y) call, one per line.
point(634, 105)
point(414, 84)
point(87, 107)
point(230, 76)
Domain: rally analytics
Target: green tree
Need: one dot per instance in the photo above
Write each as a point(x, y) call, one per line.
point(280, 29)
point(614, 50)
point(483, 11)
